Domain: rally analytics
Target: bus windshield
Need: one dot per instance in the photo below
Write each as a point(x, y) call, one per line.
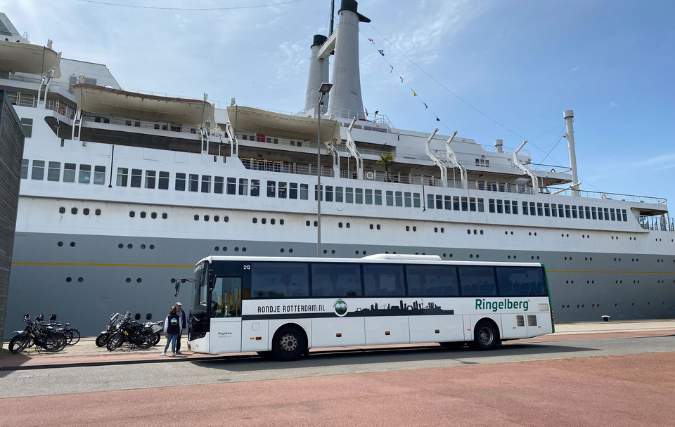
point(200, 292)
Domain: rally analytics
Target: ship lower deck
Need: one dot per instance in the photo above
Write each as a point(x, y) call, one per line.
point(88, 277)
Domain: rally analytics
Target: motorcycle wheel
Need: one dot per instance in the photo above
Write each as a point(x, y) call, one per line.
point(18, 344)
point(148, 338)
point(157, 338)
point(101, 340)
point(54, 342)
point(74, 336)
point(115, 341)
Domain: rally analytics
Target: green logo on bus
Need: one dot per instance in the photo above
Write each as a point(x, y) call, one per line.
point(340, 307)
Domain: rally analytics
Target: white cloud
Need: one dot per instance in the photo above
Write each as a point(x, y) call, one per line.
point(614, 104)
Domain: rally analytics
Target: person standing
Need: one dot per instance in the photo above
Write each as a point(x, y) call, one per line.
point(181, 314)
point(172, 329)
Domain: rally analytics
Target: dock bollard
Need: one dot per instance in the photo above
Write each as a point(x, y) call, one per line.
point(605, 318)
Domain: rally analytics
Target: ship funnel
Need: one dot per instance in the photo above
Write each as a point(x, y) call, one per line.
point(318, 73)
point(345, 100)
point(499, 145)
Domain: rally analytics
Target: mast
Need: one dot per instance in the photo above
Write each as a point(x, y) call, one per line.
point(332, 16)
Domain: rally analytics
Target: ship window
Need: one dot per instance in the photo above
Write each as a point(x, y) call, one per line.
point(439, 201)
point(122, 176)
point(24, 168)
point(193, 183)
point(339, 196)
point(153, 215)
point(54, 172)
point(316, 193)
point(430, 200)
point(271, 188)
point(398, 198)
point(165, 215)
point(507, 207)
point(255, 187)
point(85, 174)
point(359, 197)
point(606, 214)
point(304, 191)
point(369, 197)
point(206, 183)
point(150, 178)
point(465, 204)
point(243, 187)
point(143, 215)
point(554, 210)
point(447, 203)
point(625, 216)
point(27, 125)
point(561, 211)
point(180, 182)
point(514, 207)
point(525, 211)
point(99, 175)
point(594, 213)
point(491, 205)
point(283, 190)
point(206, 218)
point(500, 206)
point(62, 210)
point(136, 178)
point(378, 198)
point(611, 213)
point(196, 217)
point(540, 211)
point(163, 181)
point(293, 190)
point(574, 211)
point(472, 204)
point(349, 195)
point(73, 211)
point(567, 211)
point(481, 205)
point(38, 172)
point(547, 209)
point(132, 214)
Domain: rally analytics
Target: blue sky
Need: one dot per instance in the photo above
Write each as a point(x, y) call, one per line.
point(521, 62)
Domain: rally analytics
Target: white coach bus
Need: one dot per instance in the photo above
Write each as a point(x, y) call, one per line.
point(282, 307)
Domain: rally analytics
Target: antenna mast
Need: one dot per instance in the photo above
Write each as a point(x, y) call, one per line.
point(332, 16)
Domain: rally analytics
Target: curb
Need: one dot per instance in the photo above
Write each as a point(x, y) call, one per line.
point(103, 363)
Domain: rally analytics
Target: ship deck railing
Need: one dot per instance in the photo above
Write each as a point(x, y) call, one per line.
point(609, 196)
point(657, 223)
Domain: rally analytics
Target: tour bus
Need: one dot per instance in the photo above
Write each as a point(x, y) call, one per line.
point(282, 307)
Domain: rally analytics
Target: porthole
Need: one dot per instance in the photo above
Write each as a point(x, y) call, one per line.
point(506, 232)
point(348, 225)
point(378, 226)
point(371, 226)
point(165, 216)
point(281, 222)
point(207, 218)
point(224, 248)
point(80, 279)
point(290, 250)
point(69, 279)
point(196, 217)
point(85, 211)
point(512, 233)
point(137, 316)
point(152, 247)
point(60, 244)
point(132, 214)
point(72, 244)
point(538, 258)
point(128, 280)
point(236, 249)
point(143, 246)
point(477, 256)
point(514, 257)
point(509, 257)
point(73, 211)
point(468, 231)
point(148, 316)
point(243, 249)
point(97, 212)
point(120, 245)
point(475, 232)
point(333, 252)
point(264, 221)
point(407, 228)
point(532, 256)
point(307, 223)
point(364, 252)
point(217, 248)
point(339, 225)
point(153, 215)
point(281, 250)
point(130, 246)
point(255, 220)
point(535, 233)
point(414, 228)
point(143, 214)
point(357, 252)
point(216, 218)
point(226, 219)
point(316, 224)
point(435, 229)
point(62, 210)
point(481, 232)
point(325, 251)
point(272, 221)
point(471, 256)
point(139, 280)
point(445, 255)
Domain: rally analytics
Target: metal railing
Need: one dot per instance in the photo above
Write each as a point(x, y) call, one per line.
point(608, 196)
point(657, 223)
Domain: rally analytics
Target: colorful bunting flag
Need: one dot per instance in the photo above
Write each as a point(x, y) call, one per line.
point(437, 119)
point(371, 40)
point(414, 94)
point(401, 79)
point(381, 52)
point(392, 69)
point(425, 105)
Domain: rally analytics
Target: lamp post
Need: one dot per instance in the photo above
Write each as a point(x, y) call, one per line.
point(324, 89)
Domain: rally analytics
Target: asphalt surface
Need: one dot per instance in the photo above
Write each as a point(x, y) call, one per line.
point(59, 381)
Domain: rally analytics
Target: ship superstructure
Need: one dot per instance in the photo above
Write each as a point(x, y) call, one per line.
point(124, 191)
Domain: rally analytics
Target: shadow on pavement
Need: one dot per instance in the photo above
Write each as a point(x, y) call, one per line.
point(399, 354)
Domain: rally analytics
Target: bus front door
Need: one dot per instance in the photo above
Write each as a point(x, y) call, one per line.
point(225, 310)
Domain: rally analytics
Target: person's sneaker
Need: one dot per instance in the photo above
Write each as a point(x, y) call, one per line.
point(178, 352)
point(163, 354)
point(173, 354)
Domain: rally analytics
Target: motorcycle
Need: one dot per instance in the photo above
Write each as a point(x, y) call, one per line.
point(131, 332)
point(102, 338)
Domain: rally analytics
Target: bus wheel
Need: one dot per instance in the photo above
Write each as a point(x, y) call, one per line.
point(289, 343)
point(485, 335)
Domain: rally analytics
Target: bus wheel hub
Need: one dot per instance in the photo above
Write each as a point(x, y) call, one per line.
point(288, 342)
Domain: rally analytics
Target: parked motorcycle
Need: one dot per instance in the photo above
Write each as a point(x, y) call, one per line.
point(131, 332)
point(102, 339)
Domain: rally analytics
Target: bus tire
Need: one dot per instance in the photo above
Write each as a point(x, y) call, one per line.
point(485, 335)
point(289, 343)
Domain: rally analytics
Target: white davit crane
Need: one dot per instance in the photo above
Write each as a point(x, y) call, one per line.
point(525, 169)
point(452, 157)
point(351, 146)
point(434, 158)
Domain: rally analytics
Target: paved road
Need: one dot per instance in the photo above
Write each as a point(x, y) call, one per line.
point(231, 370)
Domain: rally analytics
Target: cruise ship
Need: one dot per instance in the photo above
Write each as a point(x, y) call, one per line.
point(122, 192)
